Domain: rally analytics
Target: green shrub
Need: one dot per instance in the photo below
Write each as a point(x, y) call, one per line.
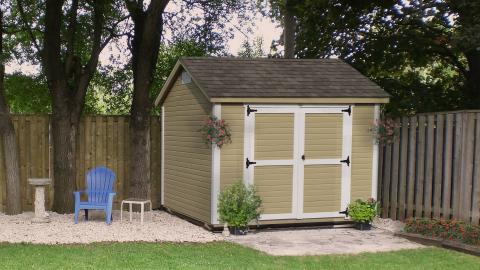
point(450, 229)
point(363, 211)
point(238, 205)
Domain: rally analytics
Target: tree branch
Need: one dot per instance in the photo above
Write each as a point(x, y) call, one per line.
point(71, 34)
point(27, 27)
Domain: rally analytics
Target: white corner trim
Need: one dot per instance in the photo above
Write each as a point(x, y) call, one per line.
point(162, 163)
point(217, 112)
point(376, 117)
point(248, 145)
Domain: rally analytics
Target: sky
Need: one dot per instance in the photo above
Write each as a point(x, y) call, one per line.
point(263, 28)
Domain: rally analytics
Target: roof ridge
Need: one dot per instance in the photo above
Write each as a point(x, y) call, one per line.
point(259, 59)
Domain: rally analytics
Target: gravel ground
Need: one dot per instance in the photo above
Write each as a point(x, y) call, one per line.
point(388, 224)
point(62, 230)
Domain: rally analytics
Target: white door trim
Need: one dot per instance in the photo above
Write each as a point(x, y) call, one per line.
point(299, 149)
point(217, 112)
point(347, 152)
point(376, 118)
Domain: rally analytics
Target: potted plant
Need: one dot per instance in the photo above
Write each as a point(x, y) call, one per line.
point(238, 205)
point(362, 212)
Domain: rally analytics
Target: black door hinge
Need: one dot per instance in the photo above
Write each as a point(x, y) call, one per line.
point(349, 110)
point(344, 212)
point(346, 161)
point(250, 110)
point(248, 163)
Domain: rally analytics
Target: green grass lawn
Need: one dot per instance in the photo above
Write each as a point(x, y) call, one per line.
point(220, 255)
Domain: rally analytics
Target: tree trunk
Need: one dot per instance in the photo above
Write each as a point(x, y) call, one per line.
point(140, 157)
point(9, 143)
point(290, 26)
point(148, 27)
point(64, 133)
point(473, 79)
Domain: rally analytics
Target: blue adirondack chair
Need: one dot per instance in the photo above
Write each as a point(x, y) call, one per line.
point(100, 183)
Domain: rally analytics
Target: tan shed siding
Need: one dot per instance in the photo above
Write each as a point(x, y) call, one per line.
point(323, 137)
point(187, 158)
point(274, 136)
point(362, 152)
point(231, 155)
point(322, 188)
point(274, 185)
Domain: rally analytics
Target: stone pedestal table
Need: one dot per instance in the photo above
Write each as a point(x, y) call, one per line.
point(40, 183)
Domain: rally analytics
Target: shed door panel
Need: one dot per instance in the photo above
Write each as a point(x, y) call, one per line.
point(274, 136)
point(322, 188)
point(322, 170)
point(273, 172)
point(274, 185)
point(323, 136)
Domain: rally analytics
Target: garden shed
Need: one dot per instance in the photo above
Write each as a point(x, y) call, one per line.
point(300, 131)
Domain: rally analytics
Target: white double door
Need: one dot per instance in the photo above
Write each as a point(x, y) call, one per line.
point(299, 158)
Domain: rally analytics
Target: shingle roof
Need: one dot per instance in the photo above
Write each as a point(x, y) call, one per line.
point(267, 78)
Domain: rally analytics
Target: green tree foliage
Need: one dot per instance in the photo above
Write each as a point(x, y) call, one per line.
point(252, 50)
point(27, 94)
point(424, 53)
point(111, 90)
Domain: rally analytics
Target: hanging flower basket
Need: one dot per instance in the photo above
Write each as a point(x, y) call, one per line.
point(385, 131)
point(216, 131)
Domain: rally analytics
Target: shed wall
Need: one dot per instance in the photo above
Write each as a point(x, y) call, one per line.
point(362, 152)
point(187, 172)
point(232, 156)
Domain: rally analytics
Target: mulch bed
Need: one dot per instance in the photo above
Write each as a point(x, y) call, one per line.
point(439, 242)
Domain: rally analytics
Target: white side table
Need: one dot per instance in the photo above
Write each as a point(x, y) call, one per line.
point(141, 202)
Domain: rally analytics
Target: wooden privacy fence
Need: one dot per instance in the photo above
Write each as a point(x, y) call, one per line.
point(433, 168)
point(103, 140)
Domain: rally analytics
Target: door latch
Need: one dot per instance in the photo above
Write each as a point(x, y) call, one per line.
point(248, 163)
point(346, 161)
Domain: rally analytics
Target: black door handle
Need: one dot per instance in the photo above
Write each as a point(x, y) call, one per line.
point(248, 163)
point(346, 161)
point(303, 157)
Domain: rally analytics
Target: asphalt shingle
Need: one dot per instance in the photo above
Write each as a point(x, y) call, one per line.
point(254, 78)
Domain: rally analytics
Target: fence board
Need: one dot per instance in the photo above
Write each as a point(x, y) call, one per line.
point(419, 195)
point(465, 189)
point(412, 133)
point(433, 167)
point(102, 140)
point(437, 181)
point(402, 178)
point(427, 206)
point(447, 166)
point(394, 184)
point(476, 175)
point(387, 180)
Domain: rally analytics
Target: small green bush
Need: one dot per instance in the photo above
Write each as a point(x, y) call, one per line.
point(363, 211)
point(238, 205)
point(450, 229)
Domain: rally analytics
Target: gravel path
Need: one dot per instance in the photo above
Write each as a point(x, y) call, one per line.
point(62, 230)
